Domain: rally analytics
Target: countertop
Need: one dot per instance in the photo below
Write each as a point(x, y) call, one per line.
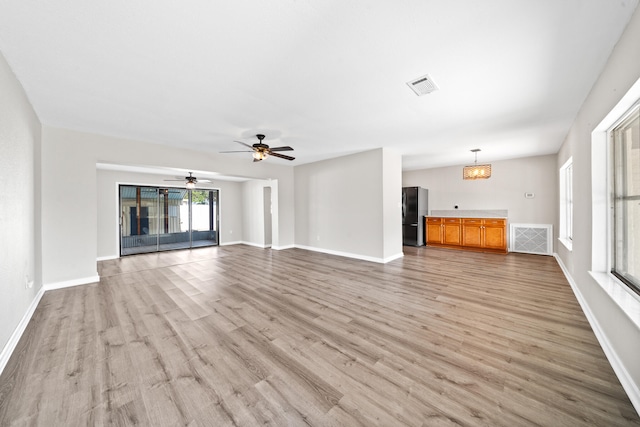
point(474, 213)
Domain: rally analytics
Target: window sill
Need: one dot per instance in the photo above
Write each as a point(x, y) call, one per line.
point(566, 243)
point(625, 298)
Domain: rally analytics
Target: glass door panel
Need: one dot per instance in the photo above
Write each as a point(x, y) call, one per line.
point(139, 219)
point(203, 224)
point(174, 233)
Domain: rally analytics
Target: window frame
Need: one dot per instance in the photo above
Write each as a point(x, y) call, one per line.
point(611, 177)
point(566, 204)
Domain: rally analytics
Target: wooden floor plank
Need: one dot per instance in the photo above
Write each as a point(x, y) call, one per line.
point(201, 337)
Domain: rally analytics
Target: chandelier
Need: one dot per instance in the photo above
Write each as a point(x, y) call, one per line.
point(476, 171)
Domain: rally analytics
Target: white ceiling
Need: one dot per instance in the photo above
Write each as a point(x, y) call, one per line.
point(326, 77)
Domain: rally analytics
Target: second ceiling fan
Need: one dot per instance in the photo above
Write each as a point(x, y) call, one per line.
point(262, 151)
point(190, 181)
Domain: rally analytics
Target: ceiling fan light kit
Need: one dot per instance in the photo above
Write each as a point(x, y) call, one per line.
point(259, 155)
point(476, 171)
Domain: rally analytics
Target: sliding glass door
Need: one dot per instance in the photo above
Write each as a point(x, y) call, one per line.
point(157, 219)
point(173, 233)
point(204, 215)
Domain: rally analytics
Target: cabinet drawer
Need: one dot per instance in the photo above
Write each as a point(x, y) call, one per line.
point(495, 221)
point(452, 220)
point(471, 221)
point(434, 220)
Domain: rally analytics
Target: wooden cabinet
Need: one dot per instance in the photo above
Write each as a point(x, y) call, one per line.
point(443, 231)
point(482, 234)
point(485, 233)
point(472, 232)
point(495, 234)
point(452, 231)
point(434, 230)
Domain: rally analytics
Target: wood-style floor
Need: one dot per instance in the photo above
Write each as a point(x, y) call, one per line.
point(243, 336)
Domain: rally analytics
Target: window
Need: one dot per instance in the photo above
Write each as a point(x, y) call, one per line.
point(566, 204)
point(625, 145)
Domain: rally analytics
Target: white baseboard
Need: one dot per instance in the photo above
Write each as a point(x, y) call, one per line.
point(351, 255)
point(107, 258)
point(628, 384)
point(70, 283)
point(255, 245)
point(276, 248)
point(8, 349)
point(393, 257)
point(281, 248)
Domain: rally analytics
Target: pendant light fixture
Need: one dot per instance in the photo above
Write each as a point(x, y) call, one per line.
point(476, 171)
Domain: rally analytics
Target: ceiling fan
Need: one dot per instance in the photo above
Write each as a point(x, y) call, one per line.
point(190, 181)
point(262, 151)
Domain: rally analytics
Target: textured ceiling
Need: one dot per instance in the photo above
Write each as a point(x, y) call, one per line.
point(326, 77)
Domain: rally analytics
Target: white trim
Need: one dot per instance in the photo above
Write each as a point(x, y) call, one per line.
point(601, 185)
point(118, 220)
point(392, 257)
point(256, 245)
point(621, 294)
point(10, 346)
point(70, 283)
point(566, 243)
point(107, 258)
point(629, 386)
point(351, 255)
point(280, 248)
point(237, 242)
point(566, 203)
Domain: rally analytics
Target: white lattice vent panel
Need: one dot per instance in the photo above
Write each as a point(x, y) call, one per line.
point(531, 238)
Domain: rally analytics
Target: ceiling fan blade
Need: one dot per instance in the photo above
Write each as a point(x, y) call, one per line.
point(285, 148)
point(282, 156)
point(181, 180)
point(246, 145)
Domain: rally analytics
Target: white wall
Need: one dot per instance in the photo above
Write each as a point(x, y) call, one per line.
point(391, 203)
point(70, 201)
point(230, 203)
point(253, 226)
point(19, 206)
point(340, 208)
point(510, 179)
point(619, 335)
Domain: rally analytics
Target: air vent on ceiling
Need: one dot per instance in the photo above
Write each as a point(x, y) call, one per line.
point(423, 85)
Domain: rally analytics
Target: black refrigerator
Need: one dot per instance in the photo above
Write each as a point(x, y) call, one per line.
point(414, 208)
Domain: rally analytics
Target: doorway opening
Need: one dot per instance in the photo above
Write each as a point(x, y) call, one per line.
point(266, 192)
point(156, 219)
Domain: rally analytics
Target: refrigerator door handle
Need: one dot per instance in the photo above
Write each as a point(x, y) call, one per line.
point(404, 204)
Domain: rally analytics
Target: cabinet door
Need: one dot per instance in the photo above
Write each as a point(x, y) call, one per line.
point(452, 231)
point(472, 232)
point(434, 230)
point(495, 234)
